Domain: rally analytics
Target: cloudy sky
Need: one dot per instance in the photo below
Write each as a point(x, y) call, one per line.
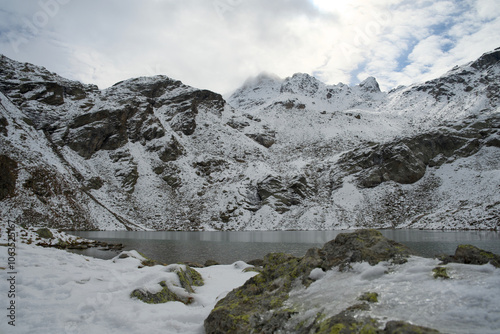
point(217, 44)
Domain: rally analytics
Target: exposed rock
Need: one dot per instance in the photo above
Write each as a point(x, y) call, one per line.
point(440, 272)
point(363, 245)
point(172, 151)
point(405, 161)
point(8, 176)
point(470, 254)
point(210, 263)
point(45, 233)
point(274, 192)
point(3, 125)
point(265, 139)
point(188, 278)
point(257, 306)
point(165, 295)
point(401, 327)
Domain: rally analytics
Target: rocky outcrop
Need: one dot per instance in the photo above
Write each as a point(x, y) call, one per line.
point(470, 254)
point(281, 195)
point(258, 306)
point(405, 161)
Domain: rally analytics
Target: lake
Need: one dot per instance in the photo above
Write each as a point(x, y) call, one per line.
point(228, 247)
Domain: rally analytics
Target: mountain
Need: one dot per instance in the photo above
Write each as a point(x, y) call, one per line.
point(293, 153)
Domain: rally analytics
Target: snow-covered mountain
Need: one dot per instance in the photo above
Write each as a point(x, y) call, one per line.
point(294, 153)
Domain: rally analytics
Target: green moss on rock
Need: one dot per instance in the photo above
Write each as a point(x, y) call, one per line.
point(440, 272)
point(371, 297)
point(163, 296)
point(45, 233)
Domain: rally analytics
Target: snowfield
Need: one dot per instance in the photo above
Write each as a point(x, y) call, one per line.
point(61, 292)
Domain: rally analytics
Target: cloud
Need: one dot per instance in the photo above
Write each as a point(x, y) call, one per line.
point(217, 44)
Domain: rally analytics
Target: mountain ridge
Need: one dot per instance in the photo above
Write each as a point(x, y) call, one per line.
point(293, 153)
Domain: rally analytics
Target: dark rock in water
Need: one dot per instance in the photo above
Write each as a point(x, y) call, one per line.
point(363, 245)
point(257, 306)
point(209, 263)
point(469, 254)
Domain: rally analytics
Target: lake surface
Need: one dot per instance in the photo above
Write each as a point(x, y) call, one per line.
point(228, 247)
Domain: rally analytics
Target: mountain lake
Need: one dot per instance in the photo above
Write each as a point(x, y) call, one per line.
point(228, 247)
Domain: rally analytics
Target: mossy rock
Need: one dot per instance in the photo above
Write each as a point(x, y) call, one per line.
point(401, 327)
point(164, 296)
point(363, 246)
point(469, 254)
point(371, 297)
point(189, 278)
point(440, 272)
point(45, 233)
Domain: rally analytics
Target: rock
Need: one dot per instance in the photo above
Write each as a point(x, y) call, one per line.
point(362, 245)
point(469, 254)
point(401, 327)
point(8, 176)
point(163, 296)
point(371, 297)
point(187, 276)
point(45, 233)
point(209, 263)
point(265, 139)
point(440, 272)
point(257, 306)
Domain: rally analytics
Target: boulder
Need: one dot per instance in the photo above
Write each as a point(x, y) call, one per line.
point(469, 254)
point(258, 305)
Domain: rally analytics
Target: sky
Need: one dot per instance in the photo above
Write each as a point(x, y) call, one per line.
point(218, 44)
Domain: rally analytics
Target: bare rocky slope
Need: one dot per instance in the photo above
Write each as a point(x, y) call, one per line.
point(294, 153)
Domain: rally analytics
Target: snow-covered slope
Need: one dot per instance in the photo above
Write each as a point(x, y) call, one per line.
point(294, 153)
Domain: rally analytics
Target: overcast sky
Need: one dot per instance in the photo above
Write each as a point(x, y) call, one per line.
point(217, 44)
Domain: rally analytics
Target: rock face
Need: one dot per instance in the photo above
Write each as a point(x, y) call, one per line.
point(257, 305)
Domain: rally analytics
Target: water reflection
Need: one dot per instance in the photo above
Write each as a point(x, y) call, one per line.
point(228, 247)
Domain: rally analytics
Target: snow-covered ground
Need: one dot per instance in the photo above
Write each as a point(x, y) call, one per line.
point(60, 292)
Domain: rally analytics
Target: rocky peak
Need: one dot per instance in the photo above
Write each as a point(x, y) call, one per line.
point(301, 83)
point(370, 85)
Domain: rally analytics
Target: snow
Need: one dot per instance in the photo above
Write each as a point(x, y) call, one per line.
point(62, 292)
point(466, 303)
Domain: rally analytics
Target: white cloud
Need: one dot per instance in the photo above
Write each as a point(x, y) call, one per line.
point(217, 44)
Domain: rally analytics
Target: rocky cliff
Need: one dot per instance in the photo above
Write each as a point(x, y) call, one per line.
point(294, 153)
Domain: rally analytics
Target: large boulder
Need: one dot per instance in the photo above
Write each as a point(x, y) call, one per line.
point(469, 254)
point(257, 306)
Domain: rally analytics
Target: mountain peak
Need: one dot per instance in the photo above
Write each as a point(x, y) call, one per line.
point(301, 83)
point(370, 85)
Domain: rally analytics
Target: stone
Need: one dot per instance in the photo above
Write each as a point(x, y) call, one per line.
point(45, 233)
point(362, 245)
point(469, 254)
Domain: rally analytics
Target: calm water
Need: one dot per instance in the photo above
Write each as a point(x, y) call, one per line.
point(228, 247)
